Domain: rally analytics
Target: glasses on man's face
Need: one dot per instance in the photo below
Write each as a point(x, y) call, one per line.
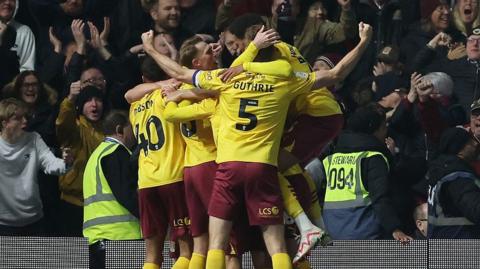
point(422, 219)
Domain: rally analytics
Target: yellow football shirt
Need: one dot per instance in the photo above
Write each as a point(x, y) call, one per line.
point(196, 128)
point(319, 102)
point(253, 109)
point(162, 148)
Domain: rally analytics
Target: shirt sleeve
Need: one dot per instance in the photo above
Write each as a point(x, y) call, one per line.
point(208, 80)
point(26, 48)
point(66, 123)
point(122, 179)
point(50, 164)
point(278, 68)
point(375, 179)
point(186, 111)
point(248, 55)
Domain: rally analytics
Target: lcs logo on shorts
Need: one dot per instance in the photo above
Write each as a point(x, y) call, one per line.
point(181, 222)
point(268, 211)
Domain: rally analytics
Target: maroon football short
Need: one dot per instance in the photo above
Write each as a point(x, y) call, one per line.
point(198, 190)
point(161, 207)
point(312, 134)
point(255, 184)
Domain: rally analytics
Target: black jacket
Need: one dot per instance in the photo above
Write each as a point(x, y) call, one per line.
point(463, 72)
point(417, 39)
point(375, 175)
point(9, 64)
point(461, 197)
point(121, 176)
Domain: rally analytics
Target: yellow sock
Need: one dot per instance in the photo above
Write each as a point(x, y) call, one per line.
point(281, 261)
point(181, 263)
point(197, 261)
point(148, 265)
point(216, 259)
point(290, 202)
point(304, 264)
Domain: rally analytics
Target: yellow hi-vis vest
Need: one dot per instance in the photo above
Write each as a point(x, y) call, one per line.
point(103, 216)
point(344, 183)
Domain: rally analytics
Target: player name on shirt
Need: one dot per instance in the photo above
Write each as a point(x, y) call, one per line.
point(252, 86)
point(143, 106)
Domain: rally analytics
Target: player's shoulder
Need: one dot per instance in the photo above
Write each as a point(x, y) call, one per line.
point(286, 49)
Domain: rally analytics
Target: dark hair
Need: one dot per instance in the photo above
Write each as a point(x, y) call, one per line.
point(188, 51)
point(151, 71)
point(113, 119)
point(362, 93)
point(147, 5)
point(239, 26)
point(20, 80)
point(85, 95)
point(367, 119)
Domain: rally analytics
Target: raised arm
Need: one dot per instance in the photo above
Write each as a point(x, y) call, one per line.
point(143, 89)
point(186, 111)
point(345, 66)
point(170, 67)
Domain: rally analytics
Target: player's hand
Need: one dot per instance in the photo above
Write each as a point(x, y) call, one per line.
point(74, 90)
point(401, 237)
point(266, 38)
point(169, 88)
point(147, 41)
point(175, 96)
point(56, 43)
point(228, 74)
point(365, 32)
point(169, 82)
point(67, 156)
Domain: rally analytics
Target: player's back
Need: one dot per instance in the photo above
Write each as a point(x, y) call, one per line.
point(253, 110)
point(162, 148)
point(198, 133)
point(319, 102)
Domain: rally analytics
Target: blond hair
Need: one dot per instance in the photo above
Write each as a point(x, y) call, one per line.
point(9, 108)
point(459, 23)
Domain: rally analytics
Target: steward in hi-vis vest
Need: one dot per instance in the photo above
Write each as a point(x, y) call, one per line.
point(454, 188)
point(110, 190)
point(104, 217)
point(357, 204)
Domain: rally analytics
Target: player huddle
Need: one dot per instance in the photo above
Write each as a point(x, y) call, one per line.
point(215, 163)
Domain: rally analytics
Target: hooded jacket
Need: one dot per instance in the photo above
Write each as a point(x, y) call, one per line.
point(460, 197)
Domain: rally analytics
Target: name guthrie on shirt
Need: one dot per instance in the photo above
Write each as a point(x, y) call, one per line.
point(252, 86)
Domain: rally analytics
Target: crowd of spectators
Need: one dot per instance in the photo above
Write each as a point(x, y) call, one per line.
point(70, 62)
